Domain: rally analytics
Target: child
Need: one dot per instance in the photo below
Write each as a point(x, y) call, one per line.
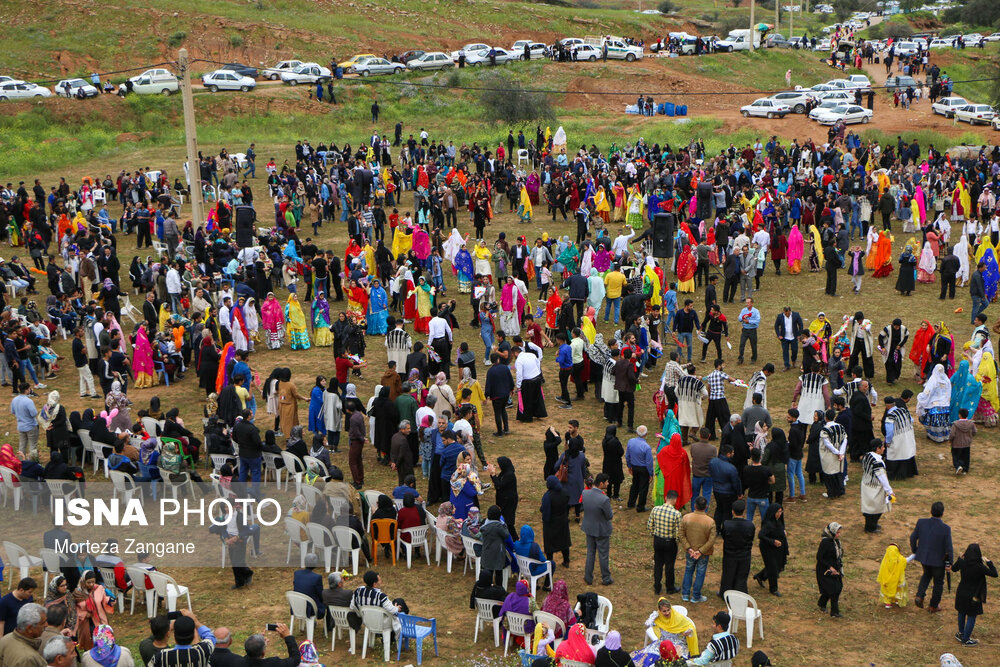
point(546, 280)
point(670, 303)
point(394, 219)
point(835, 369)
point(960, 438)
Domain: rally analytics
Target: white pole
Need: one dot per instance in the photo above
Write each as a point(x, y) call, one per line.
point(191, 137)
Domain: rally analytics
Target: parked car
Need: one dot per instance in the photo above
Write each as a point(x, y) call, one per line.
point(946, 106)
point(307, 73)
point(906, 49)
point(996, 123)
point(849, 113)
point(407, 56)
point(995, 37)
point(571, 42)
point(9, 79)
point(587, 52)
point(766, 107)
point(777, 40)
point(824, 105)
point(354, 60)
point(477, 58)
point(224, 79)
point(940, 44)
point(975, 114)
point(155, 82)
point(469, 49)
point(74, 87)
point(274, 73)
point(372, 66)
point(823, 44)
point(859, 82)
point(843, 96)
point(242, 70)
point(431, 60)
point(537, 49)
point(901, 83)
point(795, 99)
point(19, 90)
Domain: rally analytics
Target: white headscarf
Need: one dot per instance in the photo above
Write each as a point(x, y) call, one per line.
point(962, 252)
point(927, 262)
point(936, 393)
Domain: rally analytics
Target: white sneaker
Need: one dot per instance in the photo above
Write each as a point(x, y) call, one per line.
point(958, 470)
point(825, 495)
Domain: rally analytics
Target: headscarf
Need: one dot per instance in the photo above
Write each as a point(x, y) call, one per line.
point(965, 391)
point(831, 531)
point(105, 652)
point(613, 641)
point(296, 318)
point(557, 602)
point(350, 391)
point(936, 393)
point(170, 459)
point(146, 449)
point(575, 646)
point(440, 379)
point(891, 572)
point(307, 654)
point(677, 624)
point(299, 504)
point(676, 468)
point(462, 474)
point(8, 460)
point(668, 651)
point(472, 522)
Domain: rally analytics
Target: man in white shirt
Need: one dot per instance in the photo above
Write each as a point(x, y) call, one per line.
point(226, 292)
point(227, 304)
point(620, 245)
point(528, 382)
point(174, 288)
point(439, 339)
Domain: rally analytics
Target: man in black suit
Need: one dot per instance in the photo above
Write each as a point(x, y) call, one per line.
point(151, 313)
point(499, 387)
point(731, 270)
point(310, 583)
point(738, 534)
point(950, 266)
point(977, 290)
point(930, 542)
point(787, 327)
point(223, 656)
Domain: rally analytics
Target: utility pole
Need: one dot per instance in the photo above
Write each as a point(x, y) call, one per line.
point(791, 19)
point(777, 15)
point(752, 23)
point(191, 137)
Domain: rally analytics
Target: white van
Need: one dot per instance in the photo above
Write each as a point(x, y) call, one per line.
point(739, 40)
point(155, 82)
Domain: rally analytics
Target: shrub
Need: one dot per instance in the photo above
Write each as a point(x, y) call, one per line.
point(896, 30)
point(508, 102)
point(176, 39)
point(236, 41)
point(666, 6)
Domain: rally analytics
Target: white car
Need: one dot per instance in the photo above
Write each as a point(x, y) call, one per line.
point(906, 49)
point(835, 96)
point(587, 52)
point(478, 58)
point(274, 73)
point(223, 79)
point(619, 50)
point(431, 60)
point(468, 49)
point(995, 37)
point(859, 82)
point(940, 44)
point(974, 114)
point(155, 82)
point(946, 106)
point(840, 84)
point(766, 107)
point(996, 123)
point(19, 90)
point(73, 87)
point(307, 73)
point(849, 113)
point(9, 79)
point(972, 38)
point(821, 88)
point(823, 44)
point(795, 99)
point(824, 105)
point(537, 49)
point(570, 42)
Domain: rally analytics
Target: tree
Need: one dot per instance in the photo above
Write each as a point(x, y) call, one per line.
point(736, 3)
point(910, 5)
point(666, 7)
point(507, 101)
point(842, 9)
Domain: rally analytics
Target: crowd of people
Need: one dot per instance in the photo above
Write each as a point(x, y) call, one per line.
point(210, 307)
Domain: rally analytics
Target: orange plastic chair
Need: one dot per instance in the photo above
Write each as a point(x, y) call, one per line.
point(383, 532)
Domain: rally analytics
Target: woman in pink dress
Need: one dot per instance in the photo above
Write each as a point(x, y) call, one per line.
point(796, 249)
point(142, 360)
point(273, 319)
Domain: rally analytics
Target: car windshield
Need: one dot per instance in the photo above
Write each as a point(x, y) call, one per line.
point(76, 83)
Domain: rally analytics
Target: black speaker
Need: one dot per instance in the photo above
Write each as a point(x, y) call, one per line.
point(245, 218)
point(663, 235)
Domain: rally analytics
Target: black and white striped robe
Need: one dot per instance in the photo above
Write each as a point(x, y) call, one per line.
point(690, 392)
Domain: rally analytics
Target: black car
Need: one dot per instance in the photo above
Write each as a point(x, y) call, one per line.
point(243, 70)
point(407, 56)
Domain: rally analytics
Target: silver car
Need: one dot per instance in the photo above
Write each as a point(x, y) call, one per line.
point(431, 60)
point(378, 66)
point(223, 79)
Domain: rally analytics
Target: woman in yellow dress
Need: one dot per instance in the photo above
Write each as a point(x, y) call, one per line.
point(989, 404)
point(401, 241)
point(892, 578)
point(601, 203)
point(482, 260)
point(298, 335)
point(472, 384)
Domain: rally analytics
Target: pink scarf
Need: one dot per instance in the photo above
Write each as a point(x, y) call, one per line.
point(142, 357)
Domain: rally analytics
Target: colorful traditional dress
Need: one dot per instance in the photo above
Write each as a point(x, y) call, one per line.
point(986, 375)
point(425, 301)
point(296, 319)
point(274, 322)
point(322, 335)
point(796, 248)
point(464, 269)
point(934, 405)
point(142, 360)
point(378, 310)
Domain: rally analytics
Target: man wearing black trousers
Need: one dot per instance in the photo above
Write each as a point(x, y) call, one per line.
point(499, 386)
point(639, 459)
point(664, 522)
point(737, 534)
point(930, 542)
point(833, 263)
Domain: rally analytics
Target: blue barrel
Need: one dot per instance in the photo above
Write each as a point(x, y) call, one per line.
point(668, 108)
point(682, 110)
point(660, 108)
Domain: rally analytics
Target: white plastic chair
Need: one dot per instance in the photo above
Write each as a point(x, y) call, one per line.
point(312, 495)
point(743, 607)
point(153, 427)
point(553, 622)
point(566, 662)
point(418, 538)
point(484, 614)
point(100, 452)
point(603, 620)
point(653, 635)
point(130, 311)
point(339, 616)
point(270, 467)
point(124, 484)
point(294, 529)
point(442, 546)
point(377, 621)
point(522, 156)
point(303, 609)
point(371, 499)
point(18, 556)
point(87, 444)
point(167, 589)
point(345, 538)
point(138, 577)
point(524, 565)
point(322, 539)
point(313, 462)
point(338, 506)
point(52, 562)
point(108, 577)
point(470, 545)
point(516, 626)
point(13, 485)
point(293, 468)
point(219, 460)
point(63, 489)
point(177, 487)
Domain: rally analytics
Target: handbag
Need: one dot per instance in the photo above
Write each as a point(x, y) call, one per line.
point(562, 474)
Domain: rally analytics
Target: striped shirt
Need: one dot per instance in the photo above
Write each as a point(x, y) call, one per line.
point(196, 655)
point(397, 346)
point(721, 648)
